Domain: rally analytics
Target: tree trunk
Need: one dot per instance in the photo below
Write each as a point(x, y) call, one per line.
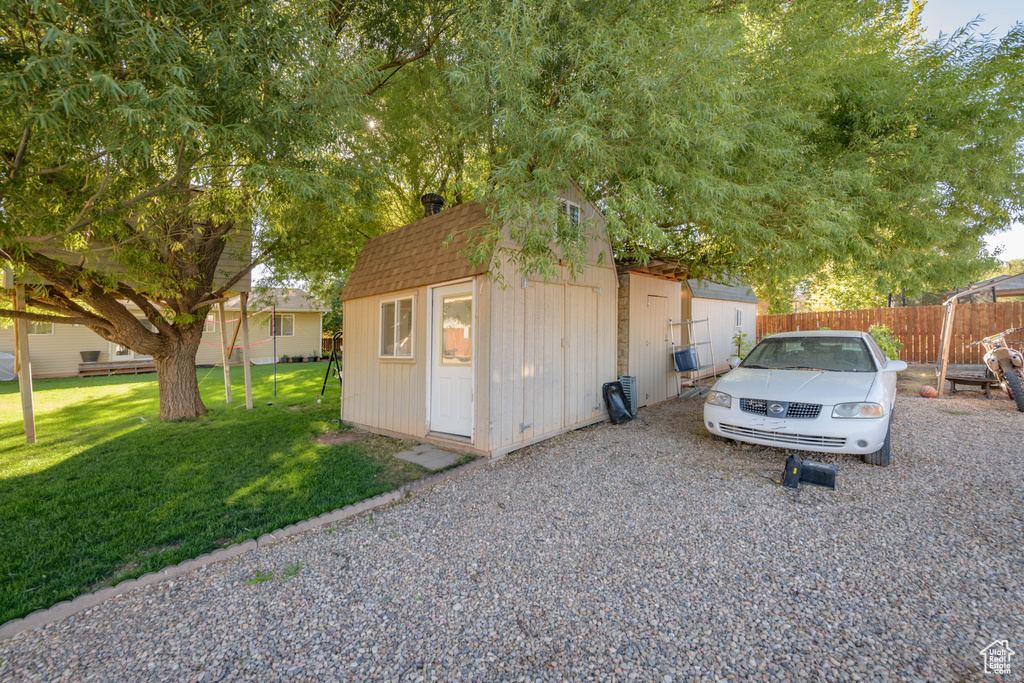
point(176, 378)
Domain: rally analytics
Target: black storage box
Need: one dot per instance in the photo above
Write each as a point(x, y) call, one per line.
point(819, 474)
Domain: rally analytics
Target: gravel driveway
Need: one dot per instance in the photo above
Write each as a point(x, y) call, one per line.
point(644, 551)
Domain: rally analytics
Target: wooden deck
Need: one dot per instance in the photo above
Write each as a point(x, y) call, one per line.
point(118, 367)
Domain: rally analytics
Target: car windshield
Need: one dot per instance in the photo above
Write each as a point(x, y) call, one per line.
point(833, 354)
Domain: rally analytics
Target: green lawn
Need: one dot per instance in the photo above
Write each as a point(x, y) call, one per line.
point(109, 492)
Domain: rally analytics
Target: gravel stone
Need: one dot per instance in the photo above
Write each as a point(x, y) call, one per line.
point(643, 551)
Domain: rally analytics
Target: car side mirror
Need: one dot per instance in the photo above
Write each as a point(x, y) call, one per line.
point(895, 366)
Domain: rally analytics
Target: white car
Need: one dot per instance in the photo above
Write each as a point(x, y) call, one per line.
point(828, 390)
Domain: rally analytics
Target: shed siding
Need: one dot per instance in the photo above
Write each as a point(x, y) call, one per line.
point(386, 394)
point(552, 347)
point(722, 319)
point(649, 338)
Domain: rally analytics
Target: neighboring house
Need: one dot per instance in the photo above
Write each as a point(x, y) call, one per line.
point(54, 349)
point(480, 358)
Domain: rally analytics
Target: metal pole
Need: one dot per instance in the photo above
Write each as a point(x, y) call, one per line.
point(273, 333)
point(243, 320)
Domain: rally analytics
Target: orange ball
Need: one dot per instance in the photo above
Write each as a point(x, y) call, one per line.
point(928, 392)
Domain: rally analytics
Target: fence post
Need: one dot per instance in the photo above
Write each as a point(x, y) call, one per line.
point(947, 331)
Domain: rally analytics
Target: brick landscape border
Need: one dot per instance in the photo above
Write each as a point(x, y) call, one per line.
point(62, 610)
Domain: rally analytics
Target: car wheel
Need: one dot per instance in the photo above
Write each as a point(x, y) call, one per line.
point(881, 457)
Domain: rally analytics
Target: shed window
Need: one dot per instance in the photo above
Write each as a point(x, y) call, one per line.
point(284, 325)
point(739, 317)
point(396, 328)
point(572, 210)
point(36, 327)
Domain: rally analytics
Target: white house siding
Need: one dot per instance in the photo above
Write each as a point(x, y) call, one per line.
point(305, 342)
point(722, 318)
point(57, 354)
point(653, 302)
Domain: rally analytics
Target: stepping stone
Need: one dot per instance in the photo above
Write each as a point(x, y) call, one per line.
point(431, 457)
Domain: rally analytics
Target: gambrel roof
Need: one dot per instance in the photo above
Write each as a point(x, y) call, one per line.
point(425, 252)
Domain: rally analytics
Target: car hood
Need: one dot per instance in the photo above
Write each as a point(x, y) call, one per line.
point(806, 386)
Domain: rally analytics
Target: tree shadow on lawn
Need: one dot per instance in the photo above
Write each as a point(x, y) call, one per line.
point(165, 492)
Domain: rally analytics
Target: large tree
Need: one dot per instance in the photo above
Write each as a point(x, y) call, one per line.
point(769, 139)
point(151, 154)
point(764, 137)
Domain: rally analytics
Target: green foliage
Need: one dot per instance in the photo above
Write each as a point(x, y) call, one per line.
point(291, 571)
point(1011, 267)
point(887, 340)
point(739, 340)
point(835, 288)
point(260, 577)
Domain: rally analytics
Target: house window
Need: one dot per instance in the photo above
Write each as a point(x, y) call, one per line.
point(739, 317)
point(211, 324)
point(396, 328)
point(572, 210)
point(284, 325)
point(35, 327)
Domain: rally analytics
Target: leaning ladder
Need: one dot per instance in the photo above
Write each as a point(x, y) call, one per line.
point(699, 384)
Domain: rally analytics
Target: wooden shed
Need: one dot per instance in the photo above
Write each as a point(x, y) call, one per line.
point(729, 307)
point(650, 300)
point(657, 308)
point(476, 358)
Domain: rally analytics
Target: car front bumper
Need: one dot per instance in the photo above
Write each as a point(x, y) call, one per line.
point(823, 433)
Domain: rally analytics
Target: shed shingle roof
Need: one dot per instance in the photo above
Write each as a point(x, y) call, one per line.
point(734, 291)
point(415, 254)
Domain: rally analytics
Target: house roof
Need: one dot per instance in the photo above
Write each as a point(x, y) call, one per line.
point(417, 254)
point(734, 291)
point(284, 299)
point(1005, 285)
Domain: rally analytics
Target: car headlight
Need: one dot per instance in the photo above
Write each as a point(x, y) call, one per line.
point(869, 410)
point(717, 398)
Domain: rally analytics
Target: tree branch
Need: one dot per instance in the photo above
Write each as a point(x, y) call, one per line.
point(58, 169)
point(159, 189)
point(63, 320)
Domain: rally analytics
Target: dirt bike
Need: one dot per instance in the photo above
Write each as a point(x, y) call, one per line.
point(1006, 364)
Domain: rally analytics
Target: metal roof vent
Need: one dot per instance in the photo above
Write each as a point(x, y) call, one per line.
point(432, 203)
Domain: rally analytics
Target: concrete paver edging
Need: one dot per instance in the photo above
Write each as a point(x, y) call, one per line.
point(62, 610)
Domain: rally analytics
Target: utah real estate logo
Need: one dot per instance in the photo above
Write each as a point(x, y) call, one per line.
point(997, 657)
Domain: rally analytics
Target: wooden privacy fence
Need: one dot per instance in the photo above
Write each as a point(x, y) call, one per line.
point(327, 343)
point(918, 327)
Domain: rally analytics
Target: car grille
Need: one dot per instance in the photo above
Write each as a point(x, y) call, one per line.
point(795, 410)
point(783, 437)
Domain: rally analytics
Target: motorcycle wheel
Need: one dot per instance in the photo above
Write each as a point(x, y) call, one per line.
point(1013, 383)
point(882, 456)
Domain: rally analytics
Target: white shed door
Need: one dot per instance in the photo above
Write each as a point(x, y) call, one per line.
point(451, 383)
point(654, 379)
